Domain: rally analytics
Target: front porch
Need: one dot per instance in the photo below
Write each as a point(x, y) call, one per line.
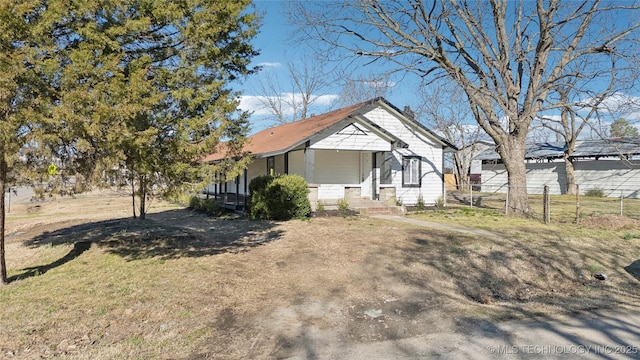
point(362, 205)
point(332, 175)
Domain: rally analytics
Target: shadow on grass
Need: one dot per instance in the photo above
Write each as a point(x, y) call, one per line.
point(634, 269)
point(168, 235)
point(78, 249)
point(516, 285)
point(548, 271)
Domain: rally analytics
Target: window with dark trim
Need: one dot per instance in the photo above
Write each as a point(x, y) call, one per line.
point(411, 170)
point(271, 165)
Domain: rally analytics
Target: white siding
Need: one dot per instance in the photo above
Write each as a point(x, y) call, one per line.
point(352, 138)
point(419, 145)
point(335, 170)
point(296, 162)
point(330, 193)
point(550, 174)
point(336, 167)
point(279, 164)
point(256, 168)
point(614, 177)
point(494, 178)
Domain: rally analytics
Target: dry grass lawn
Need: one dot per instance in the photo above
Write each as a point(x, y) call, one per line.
point(88, 282)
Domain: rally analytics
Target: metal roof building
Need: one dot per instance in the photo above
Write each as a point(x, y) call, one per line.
point(585, 149)
point(610, 165)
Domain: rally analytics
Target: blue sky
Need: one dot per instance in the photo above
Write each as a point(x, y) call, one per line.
point(276, 52)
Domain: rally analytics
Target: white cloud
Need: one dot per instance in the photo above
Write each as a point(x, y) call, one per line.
point(325, 99)
point(257, 104)
point(254, 104)
point(621, 105)
point(380, 84)
point(270, 64)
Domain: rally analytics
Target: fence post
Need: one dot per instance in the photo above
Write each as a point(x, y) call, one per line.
point(621, 203)
point(577, 203)
point(444, 198)
point(506, 202)
point(545, 205)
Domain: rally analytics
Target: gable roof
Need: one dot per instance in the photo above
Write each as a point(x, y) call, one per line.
point(283, 138)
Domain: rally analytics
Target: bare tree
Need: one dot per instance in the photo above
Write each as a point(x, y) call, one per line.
point(506, 56)
point(443, 108)
point(582, 105)
point(307, 82)
point(360, 88)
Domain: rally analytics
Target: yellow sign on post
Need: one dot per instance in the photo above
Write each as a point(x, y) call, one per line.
point(52, 169)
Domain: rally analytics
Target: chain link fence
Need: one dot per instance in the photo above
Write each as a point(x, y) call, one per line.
point(561, 208)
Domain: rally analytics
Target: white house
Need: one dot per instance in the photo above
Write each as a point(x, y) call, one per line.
point(370, 150)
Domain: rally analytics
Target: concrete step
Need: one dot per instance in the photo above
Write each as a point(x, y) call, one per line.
point(381, 210)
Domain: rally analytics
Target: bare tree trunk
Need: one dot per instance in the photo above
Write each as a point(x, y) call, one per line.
point(518, 199)
point(142, 192)
point(462, 171)
point(133, 197)
point(3, 185)
point(571, 175)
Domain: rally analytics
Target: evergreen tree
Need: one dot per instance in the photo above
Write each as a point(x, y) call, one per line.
point(622, 128)
point(145, 88)
point(114, 88)
point(24, 94)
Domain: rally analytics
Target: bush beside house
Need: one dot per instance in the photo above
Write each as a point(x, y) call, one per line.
point(279, 197)
point(208, 206)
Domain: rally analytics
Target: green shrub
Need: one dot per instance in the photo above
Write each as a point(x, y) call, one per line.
point(343, 205)
point(420, 205)
point(38, 193)
point(629, 236)
point(594, 193)
point(209, 206)
point(320, 208)
point(258, 201)
point(194, 202)
point(279, 197)
point(440, 202)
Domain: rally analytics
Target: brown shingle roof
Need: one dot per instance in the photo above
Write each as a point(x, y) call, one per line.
point(281, 138)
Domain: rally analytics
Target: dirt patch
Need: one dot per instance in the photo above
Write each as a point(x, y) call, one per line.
point(609, 222)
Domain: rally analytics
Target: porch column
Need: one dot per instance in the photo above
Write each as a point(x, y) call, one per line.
point(443, 189)
point(366, 169)
point(309, 165)
point(217, 190)
point(376, 176)
point(237, 191)
point(245, 189)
